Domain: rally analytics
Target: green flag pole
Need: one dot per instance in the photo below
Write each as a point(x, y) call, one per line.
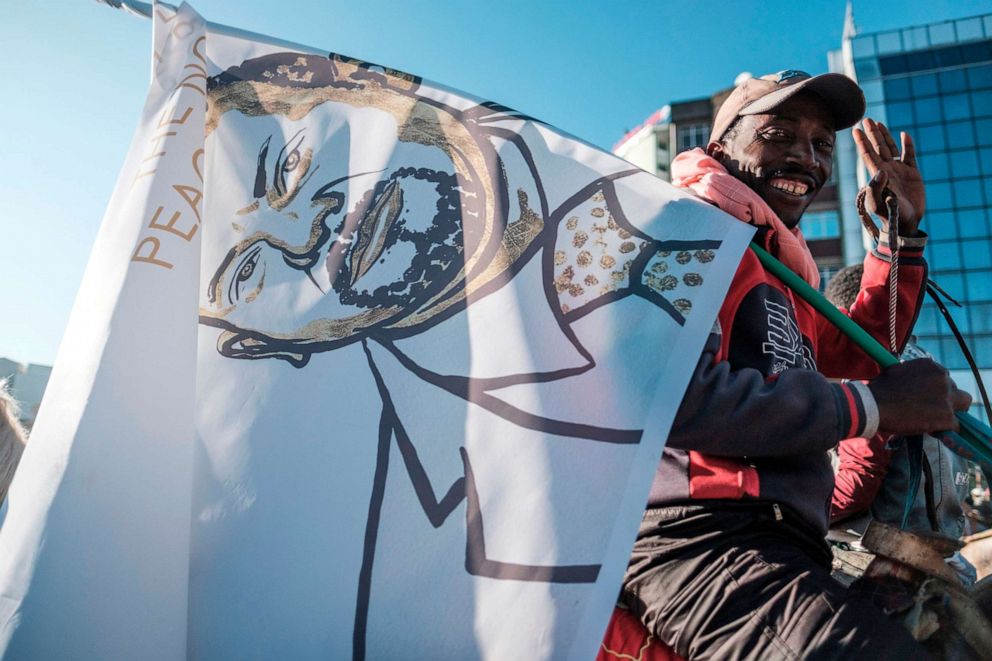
point(973, 441)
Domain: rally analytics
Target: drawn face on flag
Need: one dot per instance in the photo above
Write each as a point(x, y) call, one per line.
point(369, 215)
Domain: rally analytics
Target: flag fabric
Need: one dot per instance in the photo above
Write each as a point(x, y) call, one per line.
point(94, 548)
point(361, 367)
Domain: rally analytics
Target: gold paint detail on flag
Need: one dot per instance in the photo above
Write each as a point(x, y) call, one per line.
point(672, 274)
point(320, 329)
point(595, 254)
point(160, 148)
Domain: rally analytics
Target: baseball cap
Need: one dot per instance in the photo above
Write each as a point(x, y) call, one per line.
point(756, 96)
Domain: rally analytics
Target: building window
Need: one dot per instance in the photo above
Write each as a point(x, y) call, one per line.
point(897, 89)
point(924, 84)
point(821, 224)
point(956, 106)
point(967, 193)
point(941, 226)
point(889, 42)
point(931, 138)
point(899, 114)
point(952, 80)
point(939, 195)
point(982, 101)
point(934, 166)
point(965, 164)
point(863, 46)
point(692, 136)
point(866, 69)
point(945, 256)
point(981, 317)
point(980, 285)
point(927, 322)
point(971, 225)
point(980, 77)
point(928, 110)
point(982, 348)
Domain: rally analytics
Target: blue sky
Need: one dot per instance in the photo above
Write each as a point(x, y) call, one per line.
point(75, 74)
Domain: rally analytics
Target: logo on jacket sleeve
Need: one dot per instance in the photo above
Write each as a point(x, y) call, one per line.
point(785, 344)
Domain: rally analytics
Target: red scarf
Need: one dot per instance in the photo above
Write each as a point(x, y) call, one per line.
point(706, 177)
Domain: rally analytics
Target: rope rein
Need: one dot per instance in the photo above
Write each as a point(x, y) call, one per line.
point(892, 206)
point(892, 211)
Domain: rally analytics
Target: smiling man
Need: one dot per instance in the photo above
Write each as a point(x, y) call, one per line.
point(730, 559)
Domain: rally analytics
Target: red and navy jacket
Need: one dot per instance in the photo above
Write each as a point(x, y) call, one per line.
point(760, 412)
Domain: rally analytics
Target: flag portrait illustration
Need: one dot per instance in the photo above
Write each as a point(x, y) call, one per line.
point(397, 248)
point(422, 364)
point(341, 237)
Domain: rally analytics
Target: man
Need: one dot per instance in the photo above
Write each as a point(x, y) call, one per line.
point(730, 559)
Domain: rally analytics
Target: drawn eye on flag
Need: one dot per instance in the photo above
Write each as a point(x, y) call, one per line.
point(407, 363)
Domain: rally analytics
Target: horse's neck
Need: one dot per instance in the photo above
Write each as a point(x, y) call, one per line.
point(11, 446)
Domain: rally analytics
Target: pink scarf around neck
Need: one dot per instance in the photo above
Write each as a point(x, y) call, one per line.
point(706, 177)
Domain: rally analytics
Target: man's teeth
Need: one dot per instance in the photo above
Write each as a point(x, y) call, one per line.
point(792, 187)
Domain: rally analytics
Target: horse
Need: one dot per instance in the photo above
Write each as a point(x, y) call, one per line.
point(12, 438)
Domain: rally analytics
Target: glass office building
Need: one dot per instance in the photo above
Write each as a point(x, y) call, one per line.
point(935, 82)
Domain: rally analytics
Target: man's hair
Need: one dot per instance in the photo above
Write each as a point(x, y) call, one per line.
point(843, 288)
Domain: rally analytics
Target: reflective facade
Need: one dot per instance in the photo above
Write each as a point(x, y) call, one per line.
point(935, 82)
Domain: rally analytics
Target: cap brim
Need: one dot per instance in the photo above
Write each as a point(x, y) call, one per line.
point(841, 94)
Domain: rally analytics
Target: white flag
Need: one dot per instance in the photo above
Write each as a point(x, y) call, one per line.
point(94, 550)
point(440, 346)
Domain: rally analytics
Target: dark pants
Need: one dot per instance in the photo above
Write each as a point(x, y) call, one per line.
point(735, 580)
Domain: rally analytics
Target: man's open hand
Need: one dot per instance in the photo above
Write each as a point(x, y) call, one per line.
point(917, 397)
point(888, 167)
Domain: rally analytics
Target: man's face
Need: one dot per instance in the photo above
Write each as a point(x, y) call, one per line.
point(785, 156)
